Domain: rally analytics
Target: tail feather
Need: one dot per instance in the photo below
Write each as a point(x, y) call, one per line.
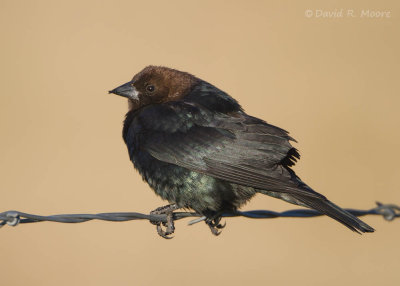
point(324, 206)
point(328, 208)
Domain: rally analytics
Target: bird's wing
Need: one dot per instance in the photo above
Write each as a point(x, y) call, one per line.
point(234, 147)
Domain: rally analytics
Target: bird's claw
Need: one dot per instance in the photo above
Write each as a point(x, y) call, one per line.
point(215, 225)
point(169, 224)
point(164, 233)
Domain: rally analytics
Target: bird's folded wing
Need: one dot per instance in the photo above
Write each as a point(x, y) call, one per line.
point(233, 147)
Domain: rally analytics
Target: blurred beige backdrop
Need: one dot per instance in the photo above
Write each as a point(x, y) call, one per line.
point(333, 82)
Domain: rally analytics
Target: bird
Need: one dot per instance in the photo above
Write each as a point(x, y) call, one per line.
point(198, 149)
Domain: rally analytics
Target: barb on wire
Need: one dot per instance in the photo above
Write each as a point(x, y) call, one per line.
point(13, 218)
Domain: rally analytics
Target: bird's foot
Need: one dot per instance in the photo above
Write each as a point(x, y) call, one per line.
point(168, 210)
point(215, 225)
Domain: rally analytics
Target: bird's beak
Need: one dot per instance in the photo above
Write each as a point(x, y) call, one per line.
point(126, 90)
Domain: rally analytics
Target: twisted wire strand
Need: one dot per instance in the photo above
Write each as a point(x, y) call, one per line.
point(14, 218)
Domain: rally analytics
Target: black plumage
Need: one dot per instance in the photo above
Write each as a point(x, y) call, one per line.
point(197, 148)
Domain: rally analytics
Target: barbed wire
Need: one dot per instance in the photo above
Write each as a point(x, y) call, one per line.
point(14, 218)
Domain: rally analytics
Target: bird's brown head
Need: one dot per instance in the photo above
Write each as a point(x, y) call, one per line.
point(155, 85)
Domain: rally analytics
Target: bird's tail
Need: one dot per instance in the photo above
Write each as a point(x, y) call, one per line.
point(328, 208)
point(324, 206)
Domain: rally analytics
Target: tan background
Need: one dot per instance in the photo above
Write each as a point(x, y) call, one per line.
point(334, 83)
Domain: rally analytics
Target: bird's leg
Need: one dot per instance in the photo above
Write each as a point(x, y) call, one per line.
point(168, 210)
point(215, 225)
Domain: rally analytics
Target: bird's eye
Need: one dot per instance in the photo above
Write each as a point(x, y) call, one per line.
point(150, 88)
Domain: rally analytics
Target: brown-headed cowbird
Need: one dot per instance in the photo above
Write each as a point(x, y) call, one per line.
point(196, 147)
